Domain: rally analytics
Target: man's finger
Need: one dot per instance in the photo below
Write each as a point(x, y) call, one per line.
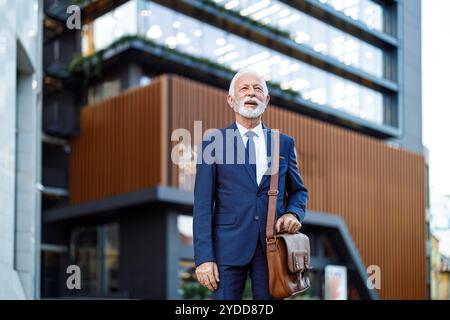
point(290, 229)
point(200, 279)
point(216, 272)
point(199, 276)
point(279, 224)
point(211, 282)
point(205, 282)
point(288, 225)
point(293, 228)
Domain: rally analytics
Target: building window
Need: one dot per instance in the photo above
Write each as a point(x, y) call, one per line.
point(96, 251)
point(103, 91)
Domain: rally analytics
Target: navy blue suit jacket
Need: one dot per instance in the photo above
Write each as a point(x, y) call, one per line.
point(230, 209)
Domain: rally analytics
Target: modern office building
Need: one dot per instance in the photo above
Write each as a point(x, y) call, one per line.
point(344, 79)
point(20, 147)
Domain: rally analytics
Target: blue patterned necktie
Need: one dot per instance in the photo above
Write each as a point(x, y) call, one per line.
point(250, 152)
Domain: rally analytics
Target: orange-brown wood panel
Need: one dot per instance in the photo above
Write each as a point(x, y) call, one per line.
point(120, 147)
point(379, 191)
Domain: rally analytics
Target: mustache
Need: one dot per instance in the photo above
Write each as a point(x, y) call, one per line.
point(252, 99)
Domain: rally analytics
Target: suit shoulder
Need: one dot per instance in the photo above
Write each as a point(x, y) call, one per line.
point(286, 138)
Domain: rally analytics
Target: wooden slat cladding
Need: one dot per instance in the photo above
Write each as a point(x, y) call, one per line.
point(378, 191)
point(120, 146)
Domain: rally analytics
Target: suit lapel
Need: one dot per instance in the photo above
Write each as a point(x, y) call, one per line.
point(268, 137)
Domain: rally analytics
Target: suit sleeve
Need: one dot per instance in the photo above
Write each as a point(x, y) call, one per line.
point(204, 195)
point(297, 198)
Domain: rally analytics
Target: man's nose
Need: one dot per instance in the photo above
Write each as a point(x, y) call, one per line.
point(251, 92)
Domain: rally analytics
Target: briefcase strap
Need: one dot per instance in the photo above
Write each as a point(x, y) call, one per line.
point(273, 191)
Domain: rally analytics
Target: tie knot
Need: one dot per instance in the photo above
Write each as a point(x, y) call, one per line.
point(250, 134)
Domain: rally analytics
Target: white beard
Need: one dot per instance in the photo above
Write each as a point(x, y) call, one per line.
point(249, 112)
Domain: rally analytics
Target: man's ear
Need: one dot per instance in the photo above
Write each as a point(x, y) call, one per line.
point(230, 101)
point(267, 100)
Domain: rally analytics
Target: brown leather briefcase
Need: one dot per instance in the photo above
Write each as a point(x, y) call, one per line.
point(288, 255)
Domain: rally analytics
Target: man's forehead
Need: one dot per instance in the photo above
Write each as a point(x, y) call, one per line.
point(249, 79)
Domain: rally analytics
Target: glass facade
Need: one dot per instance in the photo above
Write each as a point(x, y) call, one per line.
point(185, 34)
point(365, 11)
point(311, 32)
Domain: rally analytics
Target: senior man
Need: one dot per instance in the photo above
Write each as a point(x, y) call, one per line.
point(231, 200)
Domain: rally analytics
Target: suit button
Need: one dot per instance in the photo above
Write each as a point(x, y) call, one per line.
point(256, 217)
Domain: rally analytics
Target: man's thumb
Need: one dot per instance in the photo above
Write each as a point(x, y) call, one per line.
point(216, 272)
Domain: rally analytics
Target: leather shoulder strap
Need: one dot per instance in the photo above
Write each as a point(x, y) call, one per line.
point(273, 190)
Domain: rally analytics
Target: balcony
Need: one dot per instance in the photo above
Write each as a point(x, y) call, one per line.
point(58, 54)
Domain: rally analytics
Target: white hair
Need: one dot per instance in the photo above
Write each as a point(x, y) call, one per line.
point(241, 73)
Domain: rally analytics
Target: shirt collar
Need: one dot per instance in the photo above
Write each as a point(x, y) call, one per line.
point(243, 130)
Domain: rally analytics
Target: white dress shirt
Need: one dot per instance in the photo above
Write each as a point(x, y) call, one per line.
point(260, 149)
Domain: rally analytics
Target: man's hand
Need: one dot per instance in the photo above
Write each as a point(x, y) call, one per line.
point(208, 275)
point(288, 223)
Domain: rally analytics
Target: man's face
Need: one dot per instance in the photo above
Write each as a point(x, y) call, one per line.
point(249, 99)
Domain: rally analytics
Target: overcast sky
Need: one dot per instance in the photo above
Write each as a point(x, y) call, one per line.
point(436, 91)
point(436, 108)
